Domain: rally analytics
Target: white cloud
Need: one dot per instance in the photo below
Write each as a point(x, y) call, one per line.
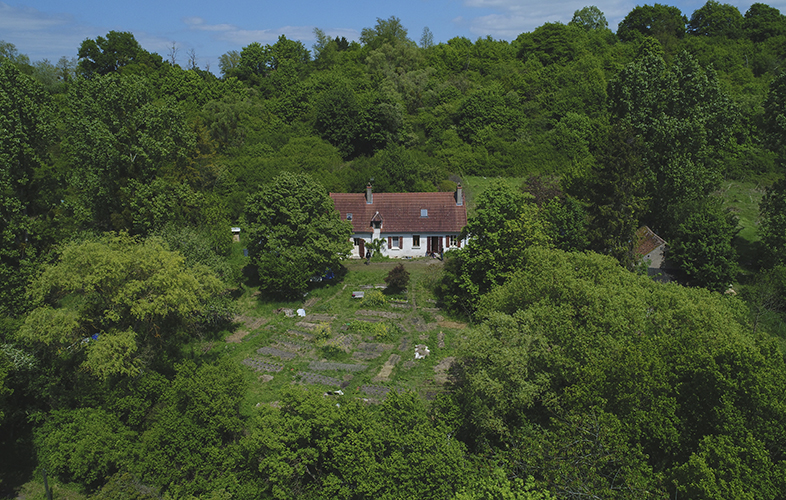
point(41, 35)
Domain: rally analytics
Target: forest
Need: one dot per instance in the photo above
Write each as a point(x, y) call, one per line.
point(147, 353)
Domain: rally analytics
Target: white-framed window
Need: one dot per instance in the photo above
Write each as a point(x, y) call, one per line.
point(415, 241)
point(394, 242)
point(349, 216)
point(452, 240)
point(424, 212)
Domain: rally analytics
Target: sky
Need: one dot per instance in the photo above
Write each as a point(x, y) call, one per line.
point(51, 29)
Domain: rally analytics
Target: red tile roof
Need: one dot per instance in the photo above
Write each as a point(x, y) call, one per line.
point(400, 212)
point(646, 241)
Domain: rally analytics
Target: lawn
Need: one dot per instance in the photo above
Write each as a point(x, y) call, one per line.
point(344, 343)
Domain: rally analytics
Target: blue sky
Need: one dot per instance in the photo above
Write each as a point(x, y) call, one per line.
point(49, 29)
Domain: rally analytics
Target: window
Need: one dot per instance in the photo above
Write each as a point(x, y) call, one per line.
point(415, 241)
point(349, 216)
point(424, 212)
point(452, 240)
point(394, 242)
point(357, 241)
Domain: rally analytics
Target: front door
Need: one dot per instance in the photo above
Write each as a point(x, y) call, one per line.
point(362, 248)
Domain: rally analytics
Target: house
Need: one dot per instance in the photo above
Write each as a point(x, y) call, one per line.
point(411, 224)
point(650, 248)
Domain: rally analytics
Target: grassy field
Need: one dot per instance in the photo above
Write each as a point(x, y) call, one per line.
point(743, 199)
point(345, 343)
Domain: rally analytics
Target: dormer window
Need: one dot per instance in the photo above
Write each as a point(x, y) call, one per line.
point(424, 212)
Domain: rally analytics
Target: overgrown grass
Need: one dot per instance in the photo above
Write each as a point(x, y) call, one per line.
point(334, 300)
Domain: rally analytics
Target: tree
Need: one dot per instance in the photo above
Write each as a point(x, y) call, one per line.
point(397, 278)
point(388, 31)
point(716, 19)
point(662, 22)
point(505, 222)
point(118, 50)
point(686, 123)
point(772, 227)
point(763, 22)
point(426, 39)
point(229, 62)
point(295, 233)
point(702, 247)
point(26, 132)
point(589, 18)
point(117, 130)
point(116, 302)
point(775, 116)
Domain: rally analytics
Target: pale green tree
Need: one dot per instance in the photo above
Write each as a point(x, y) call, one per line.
point(116, 302)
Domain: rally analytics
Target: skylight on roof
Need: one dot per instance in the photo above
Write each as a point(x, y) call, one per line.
point(424, 212)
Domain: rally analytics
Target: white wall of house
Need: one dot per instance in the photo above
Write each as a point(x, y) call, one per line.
point(406, 245)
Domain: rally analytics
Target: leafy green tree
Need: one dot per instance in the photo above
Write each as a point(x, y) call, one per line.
point(26, 132)
point(590, 18)
point(584, 373)
point(117, 131)
point(552, 43)
point(685, 120)
point(775, 116)
point(763, 22)
point(389, 31)
point(702, 247)
point(118, 50)
point(116, 302)
point(716, 19)
point(314, 447)
point(84, 445)
point(772, 225)
point(188, 449)
point(616, 195)
point(505, 222)
point(295, 232)
point(662, 22)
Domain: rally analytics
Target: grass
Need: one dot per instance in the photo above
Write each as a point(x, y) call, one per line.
point(415, 320)
point(743, 198)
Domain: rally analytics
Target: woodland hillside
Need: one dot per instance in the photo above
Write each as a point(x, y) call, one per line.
point(144, 353)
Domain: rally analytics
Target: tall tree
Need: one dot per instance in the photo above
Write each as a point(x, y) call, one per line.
point(295, 232)
point(662, 22)
point(118, 50)
point(118, 131)
point(26, 132)
point(590, 18)
point(716, 19)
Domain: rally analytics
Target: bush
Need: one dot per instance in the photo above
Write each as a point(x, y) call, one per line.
point(397, 278)
point(374, 298)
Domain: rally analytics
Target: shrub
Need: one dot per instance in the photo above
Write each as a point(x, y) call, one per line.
point(397, 278)
point(374, 298)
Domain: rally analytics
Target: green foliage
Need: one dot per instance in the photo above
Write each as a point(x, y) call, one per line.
point(633, 378)
point(26, 132)
point(189, 448)
point(84, 445)
point(665, 23)
point(117, 51)
point(702, 244)
point(590, 18)
point(397, 278)
point(374, 298)
point(118, 131)
point(294, 233)
point(505, 222)
point(716, 19)
point(773, 220)
point(135, 294)
point(315, 448)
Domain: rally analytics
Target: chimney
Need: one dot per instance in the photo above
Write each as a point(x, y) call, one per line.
point(459, 195)
point(369, 195)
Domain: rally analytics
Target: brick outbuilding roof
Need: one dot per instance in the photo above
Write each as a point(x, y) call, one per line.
point(646, 241)
point(401, 212)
